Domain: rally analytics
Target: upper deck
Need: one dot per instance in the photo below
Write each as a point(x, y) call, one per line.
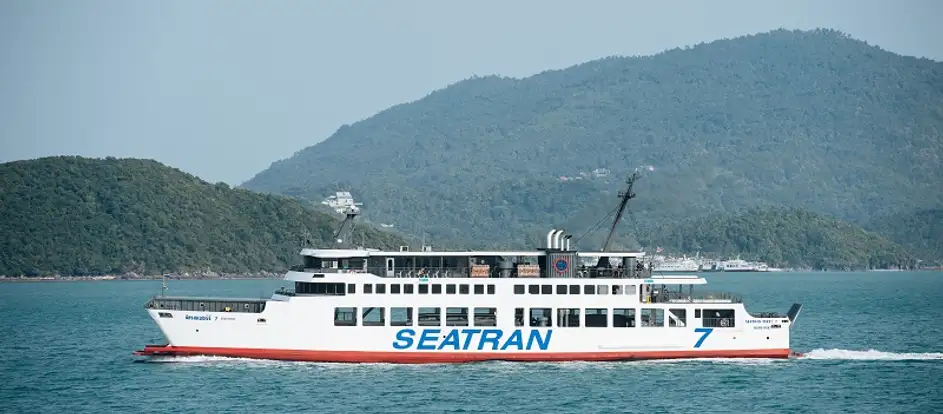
point(554, 261)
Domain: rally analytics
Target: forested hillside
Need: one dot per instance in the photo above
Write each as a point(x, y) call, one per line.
point(82, 216)
point(782, 237)
point(921, 232)
point(807, 119)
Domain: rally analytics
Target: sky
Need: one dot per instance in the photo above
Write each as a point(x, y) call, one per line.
point(221, 89)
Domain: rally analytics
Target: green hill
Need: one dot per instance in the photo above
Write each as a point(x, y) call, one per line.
point(82, 216)
point(921, 232)
point(781, 237)
point(806, 119)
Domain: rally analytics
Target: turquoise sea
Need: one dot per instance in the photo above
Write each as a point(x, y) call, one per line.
point(873, 343)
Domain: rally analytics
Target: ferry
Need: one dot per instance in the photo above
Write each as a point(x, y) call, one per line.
point(360, 305)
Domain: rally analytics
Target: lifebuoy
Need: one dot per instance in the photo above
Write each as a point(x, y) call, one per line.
point(724, 323)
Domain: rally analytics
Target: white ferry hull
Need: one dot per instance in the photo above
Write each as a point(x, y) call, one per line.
point(302, 329)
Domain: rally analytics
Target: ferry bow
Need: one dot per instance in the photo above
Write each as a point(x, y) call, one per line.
point(353, 304)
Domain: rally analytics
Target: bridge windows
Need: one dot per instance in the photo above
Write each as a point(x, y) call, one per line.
point(597, 317)
point(718, 318)
point(450, 289)
point(463, 289)
point(677, 317)
point(320, 288)
point(490, 289)
point(423, 289)
point(381, 288)
point(486, 317)
point(568, 317)
point(479, 289)
point(345, 316)
point(574, 289)
point(561, 289)
point(408, 289)
point(533, 289)
point(589, 289)
point(430, 316)
point(518, 289)
point(367, 288)
point(401, 316)
point(373, 317)
point(351, 288)
point(395, 289)
point(623, 318)
point(437, 289)
point(456, 316)
point(546, 289)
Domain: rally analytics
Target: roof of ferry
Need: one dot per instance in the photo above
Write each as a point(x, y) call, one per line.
point(349, 253)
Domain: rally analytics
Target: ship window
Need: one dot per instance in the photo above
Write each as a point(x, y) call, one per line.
point(423, 289)
point(623, 318)
point(697, 313)
point(367, 288)
point(490, 289)
point(479, 289)
point(616, 289)
point(381, 288)
point(602, 289)
point(718, 318)
point(518, 316)
point(589, 289)
point(394, 288)
point(437, 289)
point(541, 317)
point(533, 289)
point(677, 317)
point(456, 316)
point(401, 316)
point(652, 317)
point(574, 289)
point(518, 289)
point(345, 316)
point(597, 317)
point(630, 289)
point(320, 288)
point(486, 317)
point(408, 289)
point(546, 289)
point(430, 316)
point(568, 317)
point(561, 289)
point(450, 289)
point(463, 289)
point(373, 317)
point(351, 288)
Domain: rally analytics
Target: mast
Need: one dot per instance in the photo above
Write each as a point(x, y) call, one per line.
point(625, 196)
point(345, 233)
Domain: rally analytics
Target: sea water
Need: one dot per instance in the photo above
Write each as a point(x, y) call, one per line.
point(873, 342)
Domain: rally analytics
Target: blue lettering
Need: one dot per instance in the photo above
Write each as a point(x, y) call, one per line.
point(542, 343)
point(451, 339)
point(463, 339)
point(490, 336)
point(404, 339)
point(197, 317)
point(515, 339)
point(468, 338)
point(706, 332)
point(428, 335)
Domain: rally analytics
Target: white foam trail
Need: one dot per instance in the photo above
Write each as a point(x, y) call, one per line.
point(871, 355)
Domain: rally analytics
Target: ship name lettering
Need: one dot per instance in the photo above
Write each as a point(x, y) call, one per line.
point(472, 339)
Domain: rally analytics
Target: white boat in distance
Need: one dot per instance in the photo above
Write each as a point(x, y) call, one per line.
point(358, 305)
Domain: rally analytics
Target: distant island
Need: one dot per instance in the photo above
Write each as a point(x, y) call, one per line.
point(133, 218)
point(839, 141)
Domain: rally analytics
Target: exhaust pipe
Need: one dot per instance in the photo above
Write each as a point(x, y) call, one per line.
point(566, 241)
point(550, 238)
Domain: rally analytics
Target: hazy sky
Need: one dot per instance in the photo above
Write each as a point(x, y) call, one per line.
point(221, 89)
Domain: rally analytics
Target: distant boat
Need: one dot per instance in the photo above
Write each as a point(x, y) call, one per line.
point(681, 265)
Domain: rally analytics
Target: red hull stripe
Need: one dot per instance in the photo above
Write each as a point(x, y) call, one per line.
point(406, 357)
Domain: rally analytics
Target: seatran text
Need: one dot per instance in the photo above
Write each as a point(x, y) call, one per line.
point(470, 339)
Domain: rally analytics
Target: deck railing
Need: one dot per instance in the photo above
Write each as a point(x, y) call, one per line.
point(479, 272)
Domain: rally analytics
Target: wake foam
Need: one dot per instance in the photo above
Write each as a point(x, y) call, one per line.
point(871, 355)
